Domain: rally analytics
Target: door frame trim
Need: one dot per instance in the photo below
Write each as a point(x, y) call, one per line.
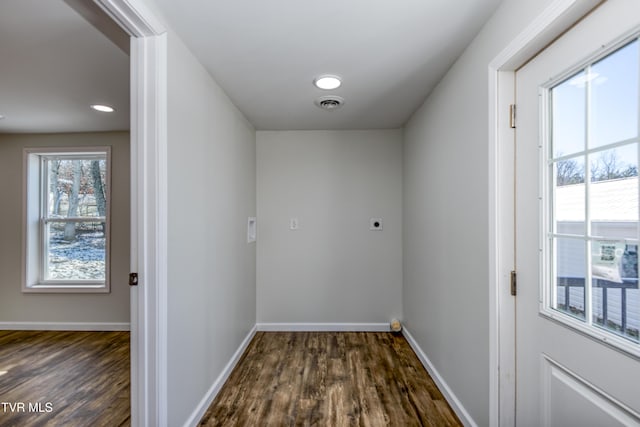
point(555, 19)
point(148, 78)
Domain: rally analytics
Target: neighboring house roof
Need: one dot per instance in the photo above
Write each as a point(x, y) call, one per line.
point(614, 204)
point(612, 200)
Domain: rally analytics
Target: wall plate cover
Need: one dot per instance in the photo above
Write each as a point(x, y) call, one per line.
point(294, 224)
point(375, 224)
point(251, 230)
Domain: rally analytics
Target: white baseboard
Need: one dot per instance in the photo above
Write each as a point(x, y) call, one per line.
point(323, 327)
point(64, 326)
point(213, 391)
point(440, 382)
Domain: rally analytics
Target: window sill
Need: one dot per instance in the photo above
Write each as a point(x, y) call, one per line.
point(70, 288)
point(614, 341)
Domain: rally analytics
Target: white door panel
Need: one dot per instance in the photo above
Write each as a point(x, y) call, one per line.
point(570, 371)
point(570, 400)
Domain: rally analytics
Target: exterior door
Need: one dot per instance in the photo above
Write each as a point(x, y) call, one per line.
point(577, 157)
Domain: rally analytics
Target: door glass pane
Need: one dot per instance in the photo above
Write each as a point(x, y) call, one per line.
point(76, 251)
point(568, 111)
point(613, 194)
point(569, 200)
point(593, 193)
point(614, 97)
point(616, 298)
point(570, 276)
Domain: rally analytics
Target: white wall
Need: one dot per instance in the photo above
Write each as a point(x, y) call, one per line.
point(445, 215)
point(211, 267)
point(16, 306)
point(333, 269)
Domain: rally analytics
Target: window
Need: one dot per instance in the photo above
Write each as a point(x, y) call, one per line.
point(67, 220)
point(591, 197)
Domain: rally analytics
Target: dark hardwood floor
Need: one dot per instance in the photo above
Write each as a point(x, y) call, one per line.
point(64, 379)
point(329, 379)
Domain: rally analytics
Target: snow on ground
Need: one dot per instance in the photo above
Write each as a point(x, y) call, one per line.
point(83, 258)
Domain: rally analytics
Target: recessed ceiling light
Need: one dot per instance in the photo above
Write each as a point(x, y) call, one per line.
point(103, 108)
point(327, 82)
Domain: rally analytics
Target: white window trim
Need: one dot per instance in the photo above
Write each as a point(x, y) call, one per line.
point(545, 195)
point(32, 223)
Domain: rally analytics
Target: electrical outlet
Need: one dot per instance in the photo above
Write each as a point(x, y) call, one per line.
point(375, 224)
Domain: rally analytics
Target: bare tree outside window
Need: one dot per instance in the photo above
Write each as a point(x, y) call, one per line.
point(605, 166)
point(608, 166)
point(77, 210)
point(70, 227)
point(569, 172)
point(98, 189)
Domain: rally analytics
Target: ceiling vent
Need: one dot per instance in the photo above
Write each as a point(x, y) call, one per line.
point(331, 102)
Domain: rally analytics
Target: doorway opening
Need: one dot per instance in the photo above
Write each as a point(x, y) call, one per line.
point(145, 36)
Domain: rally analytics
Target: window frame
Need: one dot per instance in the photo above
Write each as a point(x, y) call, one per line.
point(547, 196)
point(35, 220)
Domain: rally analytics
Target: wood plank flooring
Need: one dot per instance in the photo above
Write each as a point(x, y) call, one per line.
point(64, 378)
point(329, 379)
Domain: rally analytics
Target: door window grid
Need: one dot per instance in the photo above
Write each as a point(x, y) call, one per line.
point(576, 240)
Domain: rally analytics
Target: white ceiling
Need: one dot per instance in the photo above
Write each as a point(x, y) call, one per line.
point(265, 54)
point(53, 65)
